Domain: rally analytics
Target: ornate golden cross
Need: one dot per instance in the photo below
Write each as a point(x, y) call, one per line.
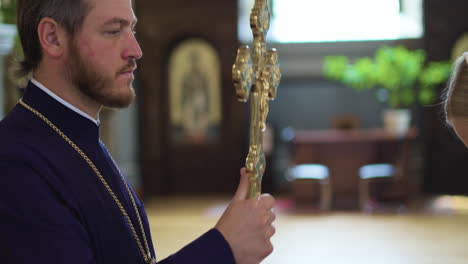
point(257, 75)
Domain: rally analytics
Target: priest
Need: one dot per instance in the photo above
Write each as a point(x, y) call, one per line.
point(63, 198)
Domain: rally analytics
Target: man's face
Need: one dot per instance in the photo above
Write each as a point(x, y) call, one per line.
point(460, 126)
point(102, 55)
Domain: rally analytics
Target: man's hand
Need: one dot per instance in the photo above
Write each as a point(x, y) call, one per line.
point(247, 224)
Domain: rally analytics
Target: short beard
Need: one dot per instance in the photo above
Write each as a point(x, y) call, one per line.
point(96, 85)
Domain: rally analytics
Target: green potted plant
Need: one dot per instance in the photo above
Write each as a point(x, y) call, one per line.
point(7, 25)
point(8, 11)
point(401, 78)
point(9, 46)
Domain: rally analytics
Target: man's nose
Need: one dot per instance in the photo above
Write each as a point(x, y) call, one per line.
point(133, 50)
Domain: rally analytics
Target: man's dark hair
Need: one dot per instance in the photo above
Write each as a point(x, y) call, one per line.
point(68, 13)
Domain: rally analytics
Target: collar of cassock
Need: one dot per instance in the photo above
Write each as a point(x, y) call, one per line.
point(78, 128)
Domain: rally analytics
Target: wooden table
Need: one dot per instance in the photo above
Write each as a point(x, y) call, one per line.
point(344, 152)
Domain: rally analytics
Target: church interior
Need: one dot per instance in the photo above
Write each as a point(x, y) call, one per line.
point(351, 186)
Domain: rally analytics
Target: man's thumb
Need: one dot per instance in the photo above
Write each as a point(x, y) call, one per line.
point(243, 188)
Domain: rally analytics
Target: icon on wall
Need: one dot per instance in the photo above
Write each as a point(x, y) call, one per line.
point(195, 92)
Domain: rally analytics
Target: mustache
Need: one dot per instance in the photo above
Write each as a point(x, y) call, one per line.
point(131, 66)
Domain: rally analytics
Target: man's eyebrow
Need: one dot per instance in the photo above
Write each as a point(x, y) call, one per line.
point(120, 21)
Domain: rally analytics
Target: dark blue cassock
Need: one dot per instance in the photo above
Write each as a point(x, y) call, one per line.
point(54, 209)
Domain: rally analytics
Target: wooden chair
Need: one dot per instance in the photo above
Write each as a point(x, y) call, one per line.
point(386, 181)
point(304, 180)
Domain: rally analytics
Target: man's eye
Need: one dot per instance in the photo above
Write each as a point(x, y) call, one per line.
point(112, 32)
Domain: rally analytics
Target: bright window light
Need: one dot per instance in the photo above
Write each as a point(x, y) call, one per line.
point(337, 20)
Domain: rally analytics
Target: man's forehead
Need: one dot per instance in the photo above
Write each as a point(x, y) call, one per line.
point(121, 20)
point(120, 12)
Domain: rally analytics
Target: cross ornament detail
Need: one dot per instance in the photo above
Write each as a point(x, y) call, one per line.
point(257, 76)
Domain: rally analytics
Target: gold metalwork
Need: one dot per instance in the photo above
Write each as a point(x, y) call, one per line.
point(257, 76)
point(149, 259)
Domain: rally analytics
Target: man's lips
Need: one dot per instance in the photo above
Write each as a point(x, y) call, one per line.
point(127, 72)
point(131, 70)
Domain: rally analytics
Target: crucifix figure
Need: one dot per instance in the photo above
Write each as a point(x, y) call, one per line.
point(257, 76)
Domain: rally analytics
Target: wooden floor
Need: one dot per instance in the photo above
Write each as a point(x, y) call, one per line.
point(435, 236)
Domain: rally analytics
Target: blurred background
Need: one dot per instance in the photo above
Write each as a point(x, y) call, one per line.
point(359, 157)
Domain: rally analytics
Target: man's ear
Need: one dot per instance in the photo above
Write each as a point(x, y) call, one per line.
point(52, 37)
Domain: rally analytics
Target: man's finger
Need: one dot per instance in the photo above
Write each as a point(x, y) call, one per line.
point(267, 201)
point(243, 188)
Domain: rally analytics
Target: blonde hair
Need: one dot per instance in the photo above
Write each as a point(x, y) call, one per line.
point(455, 96)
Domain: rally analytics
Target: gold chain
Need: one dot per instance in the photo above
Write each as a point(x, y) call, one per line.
point(146, 256)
